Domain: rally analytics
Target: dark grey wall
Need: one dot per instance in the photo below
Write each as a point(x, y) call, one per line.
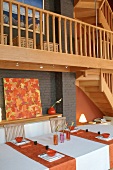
point(53, 86)
point(65, 88)
point(69, 98)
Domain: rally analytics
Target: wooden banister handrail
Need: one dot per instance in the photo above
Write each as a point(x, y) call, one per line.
point(102, 4)
point(107, 12)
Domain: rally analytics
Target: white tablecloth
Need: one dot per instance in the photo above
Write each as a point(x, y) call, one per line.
point(89, 155)
point(10, 159)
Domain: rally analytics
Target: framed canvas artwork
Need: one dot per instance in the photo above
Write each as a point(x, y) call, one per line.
point(22, 98)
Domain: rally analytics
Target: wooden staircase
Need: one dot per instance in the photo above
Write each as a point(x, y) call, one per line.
point(85, 11)
point(97, 85)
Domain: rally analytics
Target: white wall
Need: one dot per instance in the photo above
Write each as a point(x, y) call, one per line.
point(31, 130)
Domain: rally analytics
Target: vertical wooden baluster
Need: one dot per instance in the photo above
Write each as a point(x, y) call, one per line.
point(1, 21)
point(47, 30)
point(34, 30)
point(85, 41)
point(10, 22)
point(101, 79)
point(65, 34)
point(81, 52)
point(104, 47)
point(54, 41)
point(41, 31)
point(108, 44)
point(108, 16)
point(26, 16)
point(112, 22)
point(19, 31)
point(70, 24)
point(59, 30)
point(111, 46)
point(106, 78)
point(89, 39)
point(76, 42)
point(112, 82)
point(94, 44)
point(105, 11)
point(100, 33)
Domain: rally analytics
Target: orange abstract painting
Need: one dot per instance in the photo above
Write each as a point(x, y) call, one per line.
point(22, 98)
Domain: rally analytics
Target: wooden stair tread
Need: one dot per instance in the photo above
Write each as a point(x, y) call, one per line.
point(92, 89)
point(89, 83)
point(87, 4)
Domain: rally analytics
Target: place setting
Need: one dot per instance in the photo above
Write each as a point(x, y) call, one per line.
point(51, 155)
point(104, 136)
point(22, 142)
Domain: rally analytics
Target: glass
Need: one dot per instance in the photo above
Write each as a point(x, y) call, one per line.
point(55, 139)
point(62, 137)
point(35, 142)
point(67, 134)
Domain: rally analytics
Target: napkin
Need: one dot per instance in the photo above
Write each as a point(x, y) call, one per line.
point(24, 141)
point(75, 130)
point(102, 138)
point(53, 158)
point(26, 145)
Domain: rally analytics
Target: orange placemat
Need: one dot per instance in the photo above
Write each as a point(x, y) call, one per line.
point(91, 136)
point(32, 151)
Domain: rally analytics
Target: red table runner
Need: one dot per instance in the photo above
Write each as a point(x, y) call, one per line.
point(91, 136)
point(32, 151)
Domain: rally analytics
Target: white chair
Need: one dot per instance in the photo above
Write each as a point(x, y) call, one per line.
point(14, 130)
point(55, 122)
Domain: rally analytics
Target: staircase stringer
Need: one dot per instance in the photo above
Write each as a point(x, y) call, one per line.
point(97, 75)
point(106, 15)
point(105, 89)
point(103, 21)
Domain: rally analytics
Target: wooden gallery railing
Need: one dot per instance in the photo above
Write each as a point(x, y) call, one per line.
point(27, 25)
point(107, 12)
point(108, 77)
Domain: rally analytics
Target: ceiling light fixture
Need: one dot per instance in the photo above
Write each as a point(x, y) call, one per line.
point(66, 67)
point(41, 66)
point(17, 64)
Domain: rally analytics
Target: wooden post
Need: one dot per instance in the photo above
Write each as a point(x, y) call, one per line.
point(10, 22)
point(19, 32)
point(1, 22)
point(26, 16)
point(47, 30)
point(54, 41)
point(41, 31)
point(34, 30)
point(59, 30)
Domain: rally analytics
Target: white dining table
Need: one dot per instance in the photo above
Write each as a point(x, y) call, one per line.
point(11, 159)
point(89, 155)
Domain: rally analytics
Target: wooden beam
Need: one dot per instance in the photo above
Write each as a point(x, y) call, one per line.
point(32, 120)
point(19, 54)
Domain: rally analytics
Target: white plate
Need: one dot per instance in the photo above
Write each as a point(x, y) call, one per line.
point(102, 138)
point(51, 159)
point(24, 141)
